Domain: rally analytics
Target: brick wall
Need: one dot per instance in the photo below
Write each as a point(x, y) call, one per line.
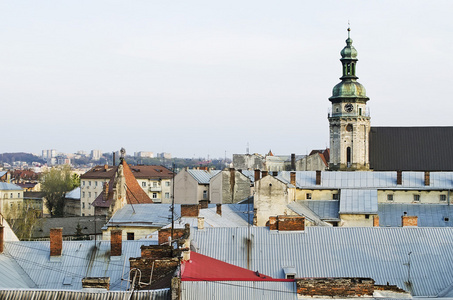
point(375, 221)
point(409, 221)
point(116, 242)
point(287, 223)
point(190, 210)
point(335, 287)
point(156, 251)
point(56, 241)
point(165, 233)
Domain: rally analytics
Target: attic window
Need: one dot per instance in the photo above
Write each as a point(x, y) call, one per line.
point(308, 196)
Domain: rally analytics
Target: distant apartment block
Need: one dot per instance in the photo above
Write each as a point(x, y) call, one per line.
point(144, 154)
point(96, 154)
point(47, 154)
point(164, 155)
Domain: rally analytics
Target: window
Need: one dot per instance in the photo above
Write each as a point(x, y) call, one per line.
point(95, 194)
point(89, 183)
point(89, 194)
point(417, 198)
point(205, 194)
point(367, 216)
point(83, 204)
point(336, 196)
point(443, 198)
point(390, 197)
point(167, 195)
point(83, 194)
point(18, 195)
point(154, 195)
point(308, 196)
point(167, 183)
point(96, 183)
point(83, 214)
point(154, 184)
point(360, 111)
point(143, 184)
point(83, 182)
point(290, 276)
point(130, 236)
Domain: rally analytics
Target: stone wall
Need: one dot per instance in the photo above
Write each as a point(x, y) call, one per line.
point(335, 287)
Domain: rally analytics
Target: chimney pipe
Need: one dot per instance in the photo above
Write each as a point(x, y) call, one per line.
point(106, 191)
point(116, 242)
point(200, 223)
point(293, 178)
point(257, 174)
point(1, 239)
point(114, 158)
point(318, 177)
point(56, 241)
point(427, 178)
point(376, 221)
point(219, 209)
point(399, 177)
point(264, 174)
point(293, 162)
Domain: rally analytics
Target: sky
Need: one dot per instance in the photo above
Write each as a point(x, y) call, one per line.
point(209, 78)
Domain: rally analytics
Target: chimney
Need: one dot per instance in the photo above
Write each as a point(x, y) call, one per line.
point(56, 241)
point(200, 223)
point(293, 178)
point(219, 209)
point(114, 158)
point(264, 174)
point(1, 239)
point(318, 177)
point(204, 203)
point(426, 178)
point(275, 173)
point(106, 167)
point(409, 220)
point(257, 174)
point(96, 283)
point(116, 242)
point(190, 210)
point(376, 221)
point(287, 223)
point(293, 162)
point(106, 191)
point(399, 177)
point(8, 177)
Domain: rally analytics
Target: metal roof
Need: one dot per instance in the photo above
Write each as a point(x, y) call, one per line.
point(74, 194)
point(79, 259)
point(250, 174)
point(317, 209)
point(4, 186)
point(162, 294)
point(151, 215)
point(429, 215)
point(369, 180)
point(376, 252)
point(3, 173)
point(358, 201)
point(264, 290)
point(411, 148)
point(203, 176)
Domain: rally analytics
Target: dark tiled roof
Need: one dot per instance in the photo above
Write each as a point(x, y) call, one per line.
point(411, 148)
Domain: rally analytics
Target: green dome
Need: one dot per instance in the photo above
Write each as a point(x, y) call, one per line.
point(349, 89)
point(349, 52)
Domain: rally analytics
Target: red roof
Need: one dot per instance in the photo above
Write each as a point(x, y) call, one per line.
point(204, 268)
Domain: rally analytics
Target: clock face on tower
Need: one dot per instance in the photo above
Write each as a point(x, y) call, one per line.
point(348, 107)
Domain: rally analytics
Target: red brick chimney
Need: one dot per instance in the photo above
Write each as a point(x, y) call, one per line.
point(56, 241)
point(287, 223)
point(106, 191)
point(409, 220)
point(116, 242)
point(318, 177)
point(264, 174)
point(293, 178)
point(1, 239)
point(219, 209)
point(257, 174)
point(293, 162)
point(426, 178)
point(190, 210)
point(399, 177)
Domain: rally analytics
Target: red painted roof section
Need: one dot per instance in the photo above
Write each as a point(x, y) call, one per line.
point(204, 268)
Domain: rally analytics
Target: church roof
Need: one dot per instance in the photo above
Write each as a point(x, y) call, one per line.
point(411, 148)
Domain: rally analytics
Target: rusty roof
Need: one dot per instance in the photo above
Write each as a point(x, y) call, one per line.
point(140, 171)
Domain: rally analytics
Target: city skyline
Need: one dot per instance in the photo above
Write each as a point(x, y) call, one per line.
point(207, 78)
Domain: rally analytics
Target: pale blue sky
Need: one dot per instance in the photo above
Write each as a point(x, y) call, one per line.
point(198, 78)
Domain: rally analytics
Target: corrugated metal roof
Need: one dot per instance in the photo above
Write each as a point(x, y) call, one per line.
point(195, 290)
point(163, 294)
point(3, 173)
point(203, 176)
point(411, 148)
point(4, 186)
point(358, 201)
point(153, 215)
point(74, 194)
point(369, 180)
point(321, 209)
point(249, 174)
point(429, 215)
point(376, 252)
point(79, 259)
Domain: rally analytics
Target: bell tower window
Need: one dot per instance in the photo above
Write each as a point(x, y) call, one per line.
point(348, 156)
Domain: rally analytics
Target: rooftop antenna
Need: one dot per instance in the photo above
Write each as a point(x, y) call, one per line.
point(247, 150)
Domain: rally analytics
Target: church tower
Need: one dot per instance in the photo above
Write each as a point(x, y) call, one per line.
point(349, 119)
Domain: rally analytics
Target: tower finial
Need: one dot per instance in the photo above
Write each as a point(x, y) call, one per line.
point(349, 29)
